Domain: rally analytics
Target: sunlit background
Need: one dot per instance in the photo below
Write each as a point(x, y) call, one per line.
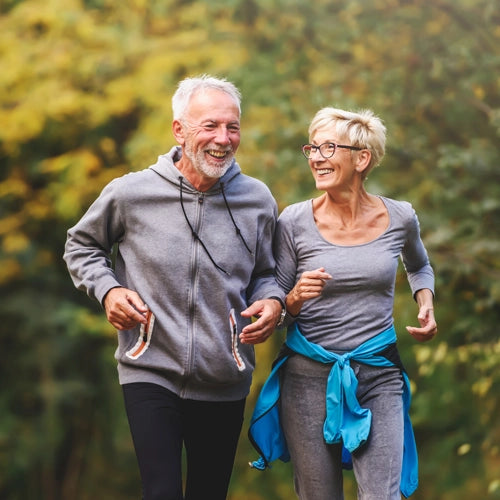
point(85, 90)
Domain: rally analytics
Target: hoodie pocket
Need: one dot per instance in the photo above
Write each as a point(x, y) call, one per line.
point(234, 341)
point(144, 338)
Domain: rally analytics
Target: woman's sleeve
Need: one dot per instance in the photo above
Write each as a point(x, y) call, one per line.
point(415, 259)
point(285, 252)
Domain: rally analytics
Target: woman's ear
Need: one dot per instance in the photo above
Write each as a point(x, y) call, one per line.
point(363, 160)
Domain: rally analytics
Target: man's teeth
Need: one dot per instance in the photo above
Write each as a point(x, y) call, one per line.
point(217, 154)
point(323, 171)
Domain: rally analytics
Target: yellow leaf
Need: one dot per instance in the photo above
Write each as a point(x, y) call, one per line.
point(463, 449)
point(9, 269)
point(15, 243)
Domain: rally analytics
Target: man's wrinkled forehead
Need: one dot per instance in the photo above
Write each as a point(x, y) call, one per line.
point(213, 105)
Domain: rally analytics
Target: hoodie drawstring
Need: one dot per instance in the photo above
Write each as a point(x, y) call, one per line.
point(195, 234)
point(238, 231)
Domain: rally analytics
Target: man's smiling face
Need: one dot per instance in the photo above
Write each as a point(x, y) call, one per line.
point(212, 132)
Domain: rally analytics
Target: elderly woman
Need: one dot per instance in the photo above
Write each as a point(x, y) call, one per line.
point(343, 389)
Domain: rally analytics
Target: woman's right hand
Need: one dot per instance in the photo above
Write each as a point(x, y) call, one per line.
point(309, 286)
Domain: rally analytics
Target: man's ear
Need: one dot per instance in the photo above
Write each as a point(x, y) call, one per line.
point(178, 131)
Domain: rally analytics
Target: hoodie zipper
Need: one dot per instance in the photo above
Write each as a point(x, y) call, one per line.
point(192, 292)
point(195, 227)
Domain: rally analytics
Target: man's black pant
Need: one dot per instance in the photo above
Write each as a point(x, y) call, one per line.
point(161, 423)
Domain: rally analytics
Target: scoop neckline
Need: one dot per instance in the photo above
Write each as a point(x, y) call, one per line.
point(381, 198)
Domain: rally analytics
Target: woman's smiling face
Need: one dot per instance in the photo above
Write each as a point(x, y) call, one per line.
point(333, 171)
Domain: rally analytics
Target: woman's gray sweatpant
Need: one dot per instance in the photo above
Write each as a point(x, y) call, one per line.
point(317, 465)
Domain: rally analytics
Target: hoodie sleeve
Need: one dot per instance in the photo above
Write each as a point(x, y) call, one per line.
point(90, 242)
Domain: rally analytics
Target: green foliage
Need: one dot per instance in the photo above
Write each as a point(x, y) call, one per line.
point(85, 94)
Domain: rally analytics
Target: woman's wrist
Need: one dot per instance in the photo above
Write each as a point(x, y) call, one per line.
point(293, 303)
point(425, 297)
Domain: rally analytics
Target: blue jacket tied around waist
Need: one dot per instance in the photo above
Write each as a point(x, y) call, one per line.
point(346, 422)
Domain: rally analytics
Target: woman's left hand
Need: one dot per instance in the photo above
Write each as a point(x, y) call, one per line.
point(428, 325)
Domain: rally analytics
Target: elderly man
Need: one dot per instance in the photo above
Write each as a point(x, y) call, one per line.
point(194, 264)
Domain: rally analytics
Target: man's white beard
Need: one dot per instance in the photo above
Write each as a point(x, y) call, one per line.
point(201, 164)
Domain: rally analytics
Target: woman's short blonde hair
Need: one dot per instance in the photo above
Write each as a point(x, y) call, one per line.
point(361, 129)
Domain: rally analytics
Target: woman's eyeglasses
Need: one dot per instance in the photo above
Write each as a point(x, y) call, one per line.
point(326, 150)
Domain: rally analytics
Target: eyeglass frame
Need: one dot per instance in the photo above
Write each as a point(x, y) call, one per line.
point(335, 146)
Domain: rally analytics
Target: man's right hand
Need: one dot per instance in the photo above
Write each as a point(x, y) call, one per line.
point(124, 308)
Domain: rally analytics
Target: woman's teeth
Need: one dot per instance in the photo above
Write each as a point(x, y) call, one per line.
point(324, 171)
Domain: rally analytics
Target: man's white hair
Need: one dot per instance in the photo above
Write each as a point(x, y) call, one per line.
point(191, 86)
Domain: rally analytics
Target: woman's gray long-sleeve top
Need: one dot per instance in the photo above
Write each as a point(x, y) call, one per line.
point(357, 303)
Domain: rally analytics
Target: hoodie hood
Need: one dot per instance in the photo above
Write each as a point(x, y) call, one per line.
point(167, 169)
point(165, 166)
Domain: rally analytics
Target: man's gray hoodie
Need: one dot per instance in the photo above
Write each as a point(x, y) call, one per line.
point(197, 259)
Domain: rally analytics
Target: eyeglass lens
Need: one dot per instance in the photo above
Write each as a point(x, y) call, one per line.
point(327, 149)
